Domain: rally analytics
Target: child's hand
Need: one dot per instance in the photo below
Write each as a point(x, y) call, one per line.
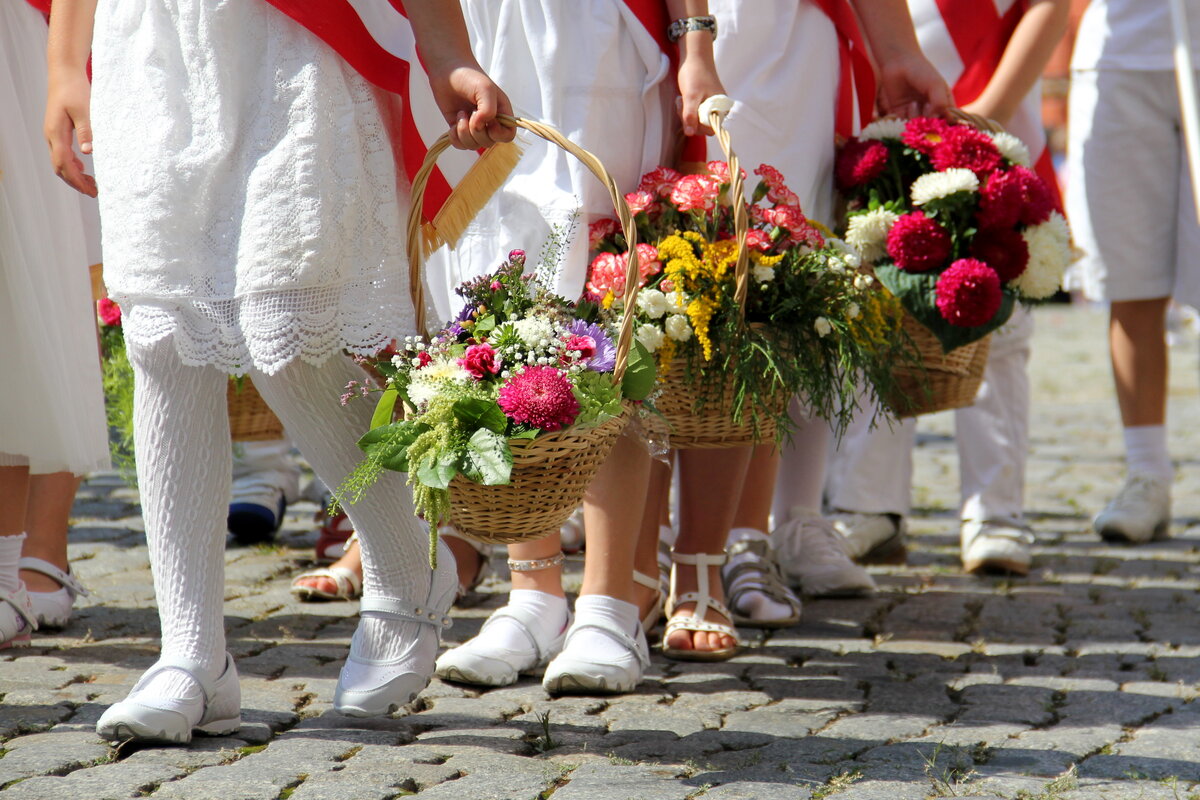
point(68, 111)
point(909, 86)
point(698, 81)
point(470, 101)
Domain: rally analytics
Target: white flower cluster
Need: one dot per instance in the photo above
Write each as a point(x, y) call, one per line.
point(541, 340)
point(867, 233)
point(1049, 256)
point(653, 303)
point(763, 273)
point(677, 328)
point(1012, 148)
point(427, 382)
point(885, 128)
point(657, 305)
point(651, 336)
point(847, 257)
point(936, 185)
point(535, 331)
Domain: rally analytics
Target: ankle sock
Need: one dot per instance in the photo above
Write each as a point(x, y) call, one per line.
point(10, 557)
point(599, 646)
point(507, 635)
point(1146, 451)
point(752, 603)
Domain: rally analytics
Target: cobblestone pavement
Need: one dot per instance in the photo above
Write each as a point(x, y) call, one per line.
point(1079, 682)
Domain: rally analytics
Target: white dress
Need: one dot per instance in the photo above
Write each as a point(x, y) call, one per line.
point(52, 406)
point(248, 186)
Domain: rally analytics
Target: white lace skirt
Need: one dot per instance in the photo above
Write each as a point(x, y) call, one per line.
point(248, 186)
point(51, 405)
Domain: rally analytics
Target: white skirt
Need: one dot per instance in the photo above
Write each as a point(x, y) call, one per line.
point(51, 406)
point(248, 186)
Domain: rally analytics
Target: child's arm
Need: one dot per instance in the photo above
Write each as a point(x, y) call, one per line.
point(1031, 45)
point(68, 101)
point(908, 84)
point(467, 97)
point(698, 79)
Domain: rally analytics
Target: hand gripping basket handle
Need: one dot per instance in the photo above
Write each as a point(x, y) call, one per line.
point(632, 275)
point(975, 120)
point(714, 109)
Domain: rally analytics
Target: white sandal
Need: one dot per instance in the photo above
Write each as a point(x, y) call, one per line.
point(758, 573)
point(349, 585)
point(695, 621)
point(485, 561)
point(656, 610)
point(136, 720)
point(53, 609)
point(16, 624)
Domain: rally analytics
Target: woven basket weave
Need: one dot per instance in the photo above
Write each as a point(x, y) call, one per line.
point(943, 381)
point(550, 473)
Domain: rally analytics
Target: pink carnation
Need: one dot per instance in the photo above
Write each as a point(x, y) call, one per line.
point(758, 240)
point(917, 243)
point(424, 359)
point(659, 181)
point(641, 201)
point(110, 312)
point(606, 274)
point(648, 263)
point(923, 134)
point(540, 397)
point(584, 345)
point(1002, 249)
point(783, 196)
point(696, 192)
point(964, 147)
point(968, 293)
point(480, 360)
point(600, 229)
point(860, 162)
point(771, 176)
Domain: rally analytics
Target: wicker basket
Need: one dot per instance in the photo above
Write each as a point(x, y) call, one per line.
point(550, 473)
point(250, 418)
point(943, 381)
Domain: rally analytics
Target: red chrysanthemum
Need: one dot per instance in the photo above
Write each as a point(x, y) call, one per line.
point(540, 397)
point(860, 162)
point(659, 181)
point(1036, 200)
point(110, 312)
point(1002, 249)
point(1000, 201)
point(917, 243)
point(964, 147)
point(923, 134)
point(968, 293)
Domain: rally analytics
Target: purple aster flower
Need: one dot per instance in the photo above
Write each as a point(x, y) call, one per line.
point(605, 357)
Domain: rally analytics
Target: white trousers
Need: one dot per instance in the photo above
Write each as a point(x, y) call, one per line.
point(871, 470)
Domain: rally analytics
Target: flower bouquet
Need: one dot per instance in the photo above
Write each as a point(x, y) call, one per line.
point(745, 304)
point(116, 378)
point(957, 226)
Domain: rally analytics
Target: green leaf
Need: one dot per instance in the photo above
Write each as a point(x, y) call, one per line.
point(918, 294)
point(490, 456)
point(385, 408)
point(532, 433)
point(437, 474)
point(485, 324)
point(389, 443)
point(640, 373)
point(475, 412)
point(383, 433)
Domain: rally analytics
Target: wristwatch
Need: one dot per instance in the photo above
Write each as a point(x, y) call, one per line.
point(677, 29)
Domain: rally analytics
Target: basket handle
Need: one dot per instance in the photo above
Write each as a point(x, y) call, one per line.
point(716, 108)
point(416, 227)
point(975, 120)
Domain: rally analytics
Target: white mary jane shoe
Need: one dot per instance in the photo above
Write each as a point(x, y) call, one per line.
point(580, 672)
point(158, 720)
point(373, 687)
point(53, 609)
point(17, 618)
point(480, 663)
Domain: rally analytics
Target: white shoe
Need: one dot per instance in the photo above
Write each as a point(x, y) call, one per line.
point(872, 538)
point(1141, 511)
point(996, 547)
point(578, 671)
point(166, 720)
point(53, 609)
point(372, 688)
point(482, 662)
point(17, 618)
point(813, 556)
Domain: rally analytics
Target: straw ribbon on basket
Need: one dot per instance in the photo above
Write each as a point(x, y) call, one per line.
point(418, 235)
point(714, 109)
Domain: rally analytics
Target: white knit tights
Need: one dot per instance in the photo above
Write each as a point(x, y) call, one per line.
point(181, 432)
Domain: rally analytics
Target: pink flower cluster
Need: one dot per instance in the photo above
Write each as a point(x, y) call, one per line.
point(109, 312)
point(481, 360)
point(968, 293)
point(607, 271)
point(540, 397)
point(917, 243)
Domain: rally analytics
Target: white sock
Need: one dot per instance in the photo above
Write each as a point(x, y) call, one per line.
point(506, 635)
point(752, 603)
point(599, 646)
point(10, 557)
point(1146, 451)
point(394, 544)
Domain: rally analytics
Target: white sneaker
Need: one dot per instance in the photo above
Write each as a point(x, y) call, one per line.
point(996, 547)
point(813, 556)
point(872, 538)
point(1141, 511)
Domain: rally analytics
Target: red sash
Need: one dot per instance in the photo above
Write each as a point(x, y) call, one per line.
point(41, 5)
point(857, 76)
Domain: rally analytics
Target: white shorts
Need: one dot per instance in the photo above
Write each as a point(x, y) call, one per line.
point(1129, 194)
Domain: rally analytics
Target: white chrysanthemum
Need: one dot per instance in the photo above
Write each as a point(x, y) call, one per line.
point(1057, 224)
point(936, 185)
point(651, 336)
point(678, 302)
point(534, 331)
point(1012, 148)
point(1049, 257)
point(823, 326)
point(653, 303)
point(763, 273)
point(427, 382)
point(867, 233)
point(886, 128)
point(678, 328)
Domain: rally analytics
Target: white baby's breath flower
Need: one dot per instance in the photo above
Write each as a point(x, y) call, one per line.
point(534, 331)
point(867, 233)
point(1049, 256)
point(398, 361)
point(678, 328)
point(1012, 148)
point(822, 326)
point(653, 303)
point(763, 273)
point(936, 185)
point(886, 128)
point(853, 311)
point(651, 336)
point(862, 282)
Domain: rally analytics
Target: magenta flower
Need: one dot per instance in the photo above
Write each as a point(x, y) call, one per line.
point(540, 397)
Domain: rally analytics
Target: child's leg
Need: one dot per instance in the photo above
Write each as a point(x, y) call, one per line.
point(15, 611)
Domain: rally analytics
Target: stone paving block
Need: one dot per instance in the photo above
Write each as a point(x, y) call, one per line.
point(598, 781)
point(1027, 705)
point(1165, 748)
point(379, 772)
point(489, 776)
point(50, 754)
point(105, 782)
